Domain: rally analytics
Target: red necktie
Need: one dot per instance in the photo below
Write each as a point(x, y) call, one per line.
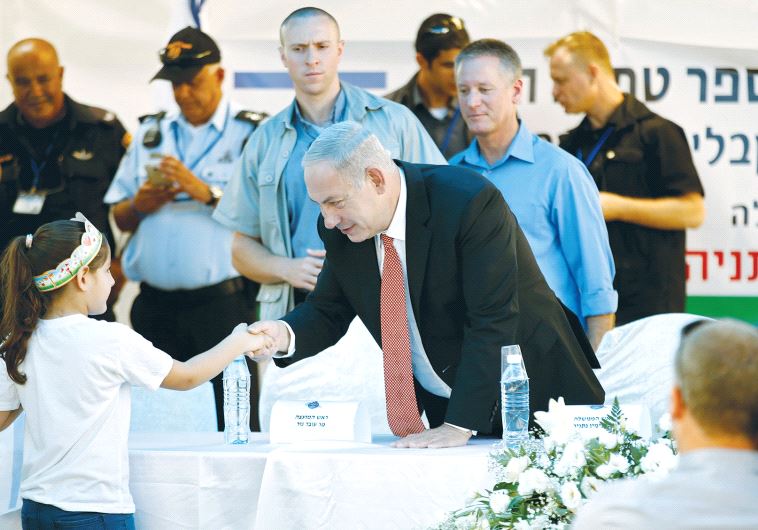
point(402, 411)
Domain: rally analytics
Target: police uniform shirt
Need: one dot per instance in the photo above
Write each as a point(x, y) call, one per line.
point(180, 246)
point(74, 160)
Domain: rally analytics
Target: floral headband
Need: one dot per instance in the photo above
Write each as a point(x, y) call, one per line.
point(92, 240)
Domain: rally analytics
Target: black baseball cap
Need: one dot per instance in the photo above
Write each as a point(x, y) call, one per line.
point(185, 55)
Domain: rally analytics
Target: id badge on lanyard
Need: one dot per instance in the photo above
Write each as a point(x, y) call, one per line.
point(29, 202)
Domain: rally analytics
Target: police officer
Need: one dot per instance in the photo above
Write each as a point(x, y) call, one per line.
point(165, 191)
point(57, 156)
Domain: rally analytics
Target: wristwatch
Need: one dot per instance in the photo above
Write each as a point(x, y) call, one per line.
point(216, 194)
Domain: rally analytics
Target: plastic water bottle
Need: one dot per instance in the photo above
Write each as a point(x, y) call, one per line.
point(514, 393)
point(237, 402)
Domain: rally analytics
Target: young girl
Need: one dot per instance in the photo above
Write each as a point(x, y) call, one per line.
point(72, 376)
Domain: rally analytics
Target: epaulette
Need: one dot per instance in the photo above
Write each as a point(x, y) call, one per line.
point(251, 116)
point(158, 116)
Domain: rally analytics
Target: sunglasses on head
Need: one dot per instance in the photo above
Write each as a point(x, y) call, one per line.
point(172, 53)
point(446, 26)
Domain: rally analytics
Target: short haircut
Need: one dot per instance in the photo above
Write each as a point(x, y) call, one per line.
point(717, 370)
point(508, 57)
point(350, 149)
point(438, 33)
point(306, 12)
point(585, 47)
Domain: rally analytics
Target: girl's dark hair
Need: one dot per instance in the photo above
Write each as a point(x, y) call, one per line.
point(23, 304)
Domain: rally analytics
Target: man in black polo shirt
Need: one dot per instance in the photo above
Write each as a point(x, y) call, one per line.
point(649, 189)
point(57, 156)
point(431, 93)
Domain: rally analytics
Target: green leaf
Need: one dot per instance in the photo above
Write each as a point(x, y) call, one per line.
point(613, 421)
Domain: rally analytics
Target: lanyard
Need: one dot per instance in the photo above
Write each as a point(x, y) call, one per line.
point(449, 132)
point(180, 151)
point(37, 167)
point(593, 153)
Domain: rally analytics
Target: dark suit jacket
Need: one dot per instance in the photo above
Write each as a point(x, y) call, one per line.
point(474, 287)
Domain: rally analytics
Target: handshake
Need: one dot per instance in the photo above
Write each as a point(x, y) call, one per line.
point(262, 340)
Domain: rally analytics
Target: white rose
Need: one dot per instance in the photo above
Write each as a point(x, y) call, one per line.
point(589, 486)
point(619, 463)
point(607, 439)
point(522, 524)
point(604, 471)
point(659, 459)
point(533, 480)
point(515, 467)
point(571, 496)
point(499, 501)
point(571, 459)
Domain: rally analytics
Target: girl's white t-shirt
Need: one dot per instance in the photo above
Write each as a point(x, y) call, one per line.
point(77, 398)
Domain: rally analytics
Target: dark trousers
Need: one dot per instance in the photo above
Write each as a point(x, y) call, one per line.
point(38, 516)
point(184, 323)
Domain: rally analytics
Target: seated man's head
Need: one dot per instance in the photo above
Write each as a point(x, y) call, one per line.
point(715, 397)
point(191, 62)
point(439, 40)
point(311, 50)
point(353, 179)
point(579, 65)
point(36, 78)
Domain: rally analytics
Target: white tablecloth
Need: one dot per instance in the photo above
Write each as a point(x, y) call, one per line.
point(195, 481)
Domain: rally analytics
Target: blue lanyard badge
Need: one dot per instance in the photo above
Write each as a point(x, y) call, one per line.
point(37, 167)
point(594, 151)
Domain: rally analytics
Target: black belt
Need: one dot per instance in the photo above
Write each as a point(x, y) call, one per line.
point(179, 296)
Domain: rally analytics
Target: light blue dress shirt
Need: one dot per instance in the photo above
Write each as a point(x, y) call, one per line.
point(180, 246)
point(302, 210)
point(557, 205)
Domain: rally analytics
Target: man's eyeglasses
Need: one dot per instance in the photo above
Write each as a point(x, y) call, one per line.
point(444, 27)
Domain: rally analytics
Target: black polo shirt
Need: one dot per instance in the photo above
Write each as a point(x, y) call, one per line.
point(646, 156)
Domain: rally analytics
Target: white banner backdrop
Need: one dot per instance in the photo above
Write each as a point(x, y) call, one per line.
point(694, 62)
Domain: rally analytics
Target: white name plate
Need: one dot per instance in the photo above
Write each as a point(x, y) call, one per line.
point(297, 421)
point(587, 418)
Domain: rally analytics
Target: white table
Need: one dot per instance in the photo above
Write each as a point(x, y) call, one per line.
point(195, 481)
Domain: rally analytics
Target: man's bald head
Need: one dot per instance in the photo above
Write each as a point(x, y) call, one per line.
point(36, 78)
point(31, 46)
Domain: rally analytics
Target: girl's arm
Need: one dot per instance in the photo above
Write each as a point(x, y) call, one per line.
point(204, 366)
point(8, 416)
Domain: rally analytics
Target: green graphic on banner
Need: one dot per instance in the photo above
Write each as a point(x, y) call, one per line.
point(741, 307)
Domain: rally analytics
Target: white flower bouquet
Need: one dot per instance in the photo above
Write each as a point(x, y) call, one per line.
point(543, 484)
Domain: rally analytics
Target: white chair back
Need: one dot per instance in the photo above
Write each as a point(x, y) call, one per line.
point(173, 411)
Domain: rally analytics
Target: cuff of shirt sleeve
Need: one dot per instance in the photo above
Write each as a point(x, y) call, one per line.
point(291, 351)
point(464, 429)
point(599, 303)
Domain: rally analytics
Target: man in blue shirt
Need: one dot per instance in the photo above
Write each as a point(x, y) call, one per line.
point(277, 243)
point(164, 192)
point(553, 197)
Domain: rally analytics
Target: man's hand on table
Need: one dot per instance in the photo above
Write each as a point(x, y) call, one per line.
point(437, 438)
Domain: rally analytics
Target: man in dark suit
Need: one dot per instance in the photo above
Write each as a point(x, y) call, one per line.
point(458, 281)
